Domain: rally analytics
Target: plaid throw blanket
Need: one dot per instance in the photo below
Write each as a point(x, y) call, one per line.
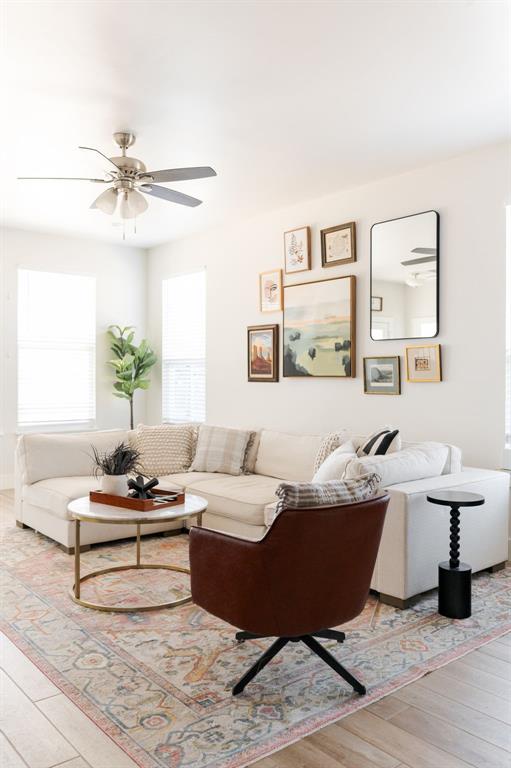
point(328, 494)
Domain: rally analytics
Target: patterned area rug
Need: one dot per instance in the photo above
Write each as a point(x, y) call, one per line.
point(159, 683)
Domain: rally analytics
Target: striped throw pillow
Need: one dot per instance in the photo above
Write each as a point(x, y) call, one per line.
point(329, 494)
point(386, 440)
point(220, 449)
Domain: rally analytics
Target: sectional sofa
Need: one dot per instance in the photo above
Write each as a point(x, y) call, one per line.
point(52, 470)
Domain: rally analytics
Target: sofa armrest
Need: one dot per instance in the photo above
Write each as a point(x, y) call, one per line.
point(455, 480)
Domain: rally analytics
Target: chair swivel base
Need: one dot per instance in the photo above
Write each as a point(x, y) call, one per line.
point(311, 643)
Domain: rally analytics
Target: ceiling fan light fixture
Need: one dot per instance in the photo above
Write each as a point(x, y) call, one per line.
point(106, 202)
point(137, 202)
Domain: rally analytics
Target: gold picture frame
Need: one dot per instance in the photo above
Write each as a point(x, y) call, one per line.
point(423, 363)
point(270, 291)
point(384, 385)
point(335, 241)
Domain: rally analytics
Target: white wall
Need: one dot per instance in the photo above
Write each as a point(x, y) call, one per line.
point(120, 298)
point(470, 193)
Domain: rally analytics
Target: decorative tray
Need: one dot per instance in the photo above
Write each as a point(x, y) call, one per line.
point(140, 505)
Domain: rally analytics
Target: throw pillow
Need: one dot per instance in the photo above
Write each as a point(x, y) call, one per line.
point(328, 445)
point(414, 463)
point(220, 449)
point(386, 440)
point(333, 467)
point(165, 449)
point(329, 494)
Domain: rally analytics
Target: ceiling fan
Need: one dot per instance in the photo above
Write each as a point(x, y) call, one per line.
point(130, 178)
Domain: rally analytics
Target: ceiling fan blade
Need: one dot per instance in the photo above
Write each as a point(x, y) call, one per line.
point(92, 149)
point(63, 178)
point(181, 174)
point(169, 194)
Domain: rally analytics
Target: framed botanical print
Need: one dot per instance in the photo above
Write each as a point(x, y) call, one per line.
point(319, 328)
point(263, 352)
point(382, 376)
point(270, 291)
point(338, 245)
point(376, 303)
point(297, 250)
point(424, 363)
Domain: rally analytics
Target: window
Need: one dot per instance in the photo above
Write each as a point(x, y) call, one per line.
point(184, 348)
point(507, 422)
point(56, 349)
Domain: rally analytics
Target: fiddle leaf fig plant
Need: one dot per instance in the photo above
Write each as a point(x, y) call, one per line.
point(131, 363)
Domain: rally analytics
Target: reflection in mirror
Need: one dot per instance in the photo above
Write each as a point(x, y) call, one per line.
point(404, 277)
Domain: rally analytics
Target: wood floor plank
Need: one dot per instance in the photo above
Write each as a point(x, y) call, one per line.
point(327, 741)
point(9, 758)
point(303, 754)
point(25, 674)
point(498, 651)
point(40, 745)
point(467, 694)
point(386, 707)
point(363, 748)
point(78, 762)
point(504, 639)
point(399, 743)
point(497, 685)
point(88, 740)
point(470, 720)
point(451, 739)
point(488, 664)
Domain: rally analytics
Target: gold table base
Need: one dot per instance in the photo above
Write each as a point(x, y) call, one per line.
point(75, 590)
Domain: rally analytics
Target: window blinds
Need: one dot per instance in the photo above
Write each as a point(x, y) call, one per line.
point(56, 348)
point(184, 348)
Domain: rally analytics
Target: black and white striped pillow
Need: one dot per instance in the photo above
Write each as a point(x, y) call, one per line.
point(385, 440)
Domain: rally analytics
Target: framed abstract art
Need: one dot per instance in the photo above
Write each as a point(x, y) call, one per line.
point(270, 291)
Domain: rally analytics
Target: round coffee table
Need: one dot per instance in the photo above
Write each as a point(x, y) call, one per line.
point(454, 577)
point(83, 510)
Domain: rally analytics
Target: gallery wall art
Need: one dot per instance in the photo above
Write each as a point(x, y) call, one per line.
point(270, 291)
point(423, 363)
point(263, 352)
point(338, 245)
point(382, 375)
point(297, 250)
point(319, 328)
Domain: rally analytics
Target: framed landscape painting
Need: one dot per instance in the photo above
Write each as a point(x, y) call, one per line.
point(382, 376)
point(297, 250)
point(263, 352)
point(338, 245)
point(319, 328)
point(270, 291)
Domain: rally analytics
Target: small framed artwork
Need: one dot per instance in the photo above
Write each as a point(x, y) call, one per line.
point(376, 303)
point(270, 291)
point(297, 250)
point(338, 245)
point(382, 376)
point(263, 352)
point(423, 363)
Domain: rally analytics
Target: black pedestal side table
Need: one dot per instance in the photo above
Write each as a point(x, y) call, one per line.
point(454, 577)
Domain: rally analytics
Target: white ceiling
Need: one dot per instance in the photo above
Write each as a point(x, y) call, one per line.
point(286, 100)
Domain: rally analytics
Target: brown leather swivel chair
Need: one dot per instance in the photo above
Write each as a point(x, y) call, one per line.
point(311, 571)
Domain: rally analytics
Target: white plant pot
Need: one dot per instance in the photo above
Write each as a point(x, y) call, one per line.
point(117, 485)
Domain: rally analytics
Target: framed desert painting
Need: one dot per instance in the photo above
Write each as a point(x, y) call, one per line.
point(424, 363)
point(263, 352)
point(270, 291)
point(297, 250)
point(338, 245)
point(382, 376)
point(319, 328)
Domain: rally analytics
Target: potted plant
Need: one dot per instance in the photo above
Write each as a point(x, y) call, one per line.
point(114, 467)
point(131, 363)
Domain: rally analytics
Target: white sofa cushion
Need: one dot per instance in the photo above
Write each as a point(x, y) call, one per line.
point(334, 466)
point(220, 449)
point(422, 460)
point(188, 479)
point(287, 456)
point(240, 498)
point(54, 494)
point(164, 449)
point(62, 455)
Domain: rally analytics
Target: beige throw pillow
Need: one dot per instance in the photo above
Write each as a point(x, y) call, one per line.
point(220, 449)
point(328, 445)
point(165, 449)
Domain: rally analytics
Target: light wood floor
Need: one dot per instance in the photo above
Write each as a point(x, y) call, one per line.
point(456, 717)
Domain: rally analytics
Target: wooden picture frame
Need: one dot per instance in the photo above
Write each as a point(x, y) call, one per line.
point(270, 291)
point(297, 250)
point(263, 352)
point(382, 386)
point(319, 328)
point(376, 303)
point(424, 364)
point(336, 242)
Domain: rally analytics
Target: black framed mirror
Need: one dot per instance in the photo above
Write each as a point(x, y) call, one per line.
point(404, 302)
